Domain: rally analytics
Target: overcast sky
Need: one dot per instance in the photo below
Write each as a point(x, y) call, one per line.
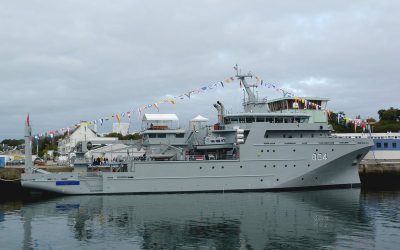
point(67, 61)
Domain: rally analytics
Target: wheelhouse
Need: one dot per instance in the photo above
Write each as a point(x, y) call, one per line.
point(266, 117)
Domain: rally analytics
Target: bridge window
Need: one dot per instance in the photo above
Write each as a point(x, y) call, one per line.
point(249, 119)
point(288, 120)
point(152, 135)
point(161, 135)
point(394, 145)
point(260, 119)
point(385, 145)
point(181, 135)
point(279, 120)
point(269, 119)
point(378, 145)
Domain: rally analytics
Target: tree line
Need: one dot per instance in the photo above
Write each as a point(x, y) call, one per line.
point(389, 121)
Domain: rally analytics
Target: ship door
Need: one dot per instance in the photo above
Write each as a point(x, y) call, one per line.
point(132, 166)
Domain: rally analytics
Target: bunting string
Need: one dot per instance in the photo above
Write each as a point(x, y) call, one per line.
point(188, 95)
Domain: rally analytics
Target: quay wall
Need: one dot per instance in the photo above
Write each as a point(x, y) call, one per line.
point(380, 174)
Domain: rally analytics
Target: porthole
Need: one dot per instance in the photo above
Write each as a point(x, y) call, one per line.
point(267, 150)
point(213, 167)
point(261, 180)
point(274, 165)
point(262, 150)
point(302, 179)
point(316, 178)
point(265, 166)
point(308, 164)
point(273, 150)
point(294, 165)
point(222, 166)
point(201, 167)
point(285, 166)
point(241, 166)
point(294, 150)
point(316, 149)
point(333, 150)
point(277, 179)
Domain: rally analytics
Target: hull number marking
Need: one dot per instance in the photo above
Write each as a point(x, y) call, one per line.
point(319, 157)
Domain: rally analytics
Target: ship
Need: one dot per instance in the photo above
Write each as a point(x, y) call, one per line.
point(279, 144)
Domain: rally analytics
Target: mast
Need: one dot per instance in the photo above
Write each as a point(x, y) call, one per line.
point(28, 146)
point(242, 78)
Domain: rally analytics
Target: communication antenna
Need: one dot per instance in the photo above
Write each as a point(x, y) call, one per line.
point(242, 78)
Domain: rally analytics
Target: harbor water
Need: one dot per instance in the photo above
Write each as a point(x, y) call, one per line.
point(322, 219)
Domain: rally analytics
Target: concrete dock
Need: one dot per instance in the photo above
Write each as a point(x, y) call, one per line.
point(380, 174)
point(10, 180)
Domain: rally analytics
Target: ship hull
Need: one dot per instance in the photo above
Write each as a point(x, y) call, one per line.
point(312, 166)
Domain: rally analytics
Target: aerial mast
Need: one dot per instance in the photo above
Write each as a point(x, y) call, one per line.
point(28, 146)
point(242, 78)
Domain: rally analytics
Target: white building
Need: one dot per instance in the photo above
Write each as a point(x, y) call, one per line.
point(82, 133)
point(121, 128)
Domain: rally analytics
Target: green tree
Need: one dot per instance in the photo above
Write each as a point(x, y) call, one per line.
point(341, 126)
point(13, 142)
point(389, 121)
point(135, 136)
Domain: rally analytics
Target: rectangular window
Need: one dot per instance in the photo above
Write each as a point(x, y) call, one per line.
point(152, 135)
point(278, 120)
point(161, 135)
point(385, 145)
point(180, 135)
point(249, 120)
point(378, 145)
point(394, 145)
point(270, 119)
point(260, 119)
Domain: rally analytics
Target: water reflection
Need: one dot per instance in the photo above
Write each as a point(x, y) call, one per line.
point(313, 219)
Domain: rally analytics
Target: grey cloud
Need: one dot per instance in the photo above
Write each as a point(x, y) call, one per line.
point(66, 61)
